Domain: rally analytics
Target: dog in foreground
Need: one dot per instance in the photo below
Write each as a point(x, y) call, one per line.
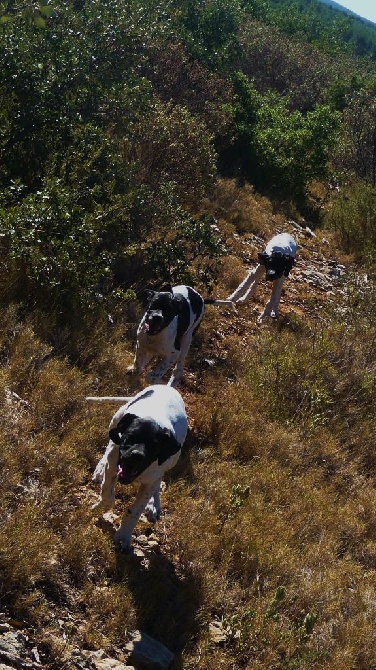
point(146, 437)
point(172, 316)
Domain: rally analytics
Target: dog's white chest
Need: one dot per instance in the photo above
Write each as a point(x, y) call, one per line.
point(156, 471)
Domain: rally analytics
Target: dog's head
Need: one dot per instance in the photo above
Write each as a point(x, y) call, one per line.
point(161, 308)
point(276, 264)
point(141, 442)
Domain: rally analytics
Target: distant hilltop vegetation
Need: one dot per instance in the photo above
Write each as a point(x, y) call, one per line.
point(341, 8)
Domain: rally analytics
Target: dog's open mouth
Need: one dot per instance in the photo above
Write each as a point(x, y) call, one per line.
point(153, 328)
point(127, 477)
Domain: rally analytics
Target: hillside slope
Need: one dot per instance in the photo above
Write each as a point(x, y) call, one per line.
point(337, 6)
point(265, 553)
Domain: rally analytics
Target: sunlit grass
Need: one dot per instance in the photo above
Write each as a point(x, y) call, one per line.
point(268, 530)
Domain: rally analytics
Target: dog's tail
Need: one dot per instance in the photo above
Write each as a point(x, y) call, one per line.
point(212, 301)
point(109, 398)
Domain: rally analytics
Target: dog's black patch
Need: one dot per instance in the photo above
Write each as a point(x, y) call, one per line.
point(161, 309)
point(197, 306)
point(276, 264)
point(182, 307)
point(197, 303)
point(144, 394)
point(115, 433)
point(141, 441)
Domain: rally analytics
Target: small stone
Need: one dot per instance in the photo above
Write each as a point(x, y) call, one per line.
point(149, 653)
point(217, 633)
point(138, 552)
point(153, 544)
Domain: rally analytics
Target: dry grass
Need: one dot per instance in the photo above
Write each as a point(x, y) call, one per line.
point(269, 529)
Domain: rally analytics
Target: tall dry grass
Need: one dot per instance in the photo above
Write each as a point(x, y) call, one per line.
point(268, 531)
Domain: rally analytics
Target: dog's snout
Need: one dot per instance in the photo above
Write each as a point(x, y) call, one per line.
point(156, 317)
point(154, 322)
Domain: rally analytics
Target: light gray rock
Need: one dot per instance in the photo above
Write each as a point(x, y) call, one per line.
point(104, 662)
point(147, 653)
point(13, 650)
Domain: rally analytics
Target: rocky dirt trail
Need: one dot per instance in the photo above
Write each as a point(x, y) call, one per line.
point(318, 277)
point(317, 280)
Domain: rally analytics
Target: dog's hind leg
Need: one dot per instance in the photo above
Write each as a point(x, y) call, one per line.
point(123, 537)
point(178, 370)
point(248, 287)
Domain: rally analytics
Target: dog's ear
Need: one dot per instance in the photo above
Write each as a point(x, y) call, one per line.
point(168, 445)
point(136, 453)
point(166, 288)
point(146, 296)
point(115, 433)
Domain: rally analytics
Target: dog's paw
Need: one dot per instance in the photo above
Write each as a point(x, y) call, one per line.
point(102, 506)
point(123, 542)
point(130, 370)
point(153, 377)
point(152, 513)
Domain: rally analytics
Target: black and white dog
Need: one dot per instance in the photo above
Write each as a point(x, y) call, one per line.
point(146, 437)
point(275, 262)
point(172, 316)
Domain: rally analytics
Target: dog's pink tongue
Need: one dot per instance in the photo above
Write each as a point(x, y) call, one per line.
point(120, 471)
point(147, 327)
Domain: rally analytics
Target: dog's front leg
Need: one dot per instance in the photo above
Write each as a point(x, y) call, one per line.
point(178, 371)
point(153, 508)
point(107, 469)
point(271, 307)
point(123, 537)
point(156, 375)
point(141, 359)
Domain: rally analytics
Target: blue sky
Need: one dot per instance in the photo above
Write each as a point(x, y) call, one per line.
point(365, 8)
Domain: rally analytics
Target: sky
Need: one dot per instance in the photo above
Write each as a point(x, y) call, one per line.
point(364, 8)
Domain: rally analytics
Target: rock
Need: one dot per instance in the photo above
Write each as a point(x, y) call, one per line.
point(103, 662)
point(317, 279)
point(295, 225)
point(310, 232)
point(13, 649)
point(147, 653)
point(217, 633)
point(112, 664)
point(153, 544)
point(100, 661)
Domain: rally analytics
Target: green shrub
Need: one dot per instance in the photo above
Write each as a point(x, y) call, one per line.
point(353, 218)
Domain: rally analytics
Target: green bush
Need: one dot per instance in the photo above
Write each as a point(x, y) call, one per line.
point(275, 147)
point(353, 218)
